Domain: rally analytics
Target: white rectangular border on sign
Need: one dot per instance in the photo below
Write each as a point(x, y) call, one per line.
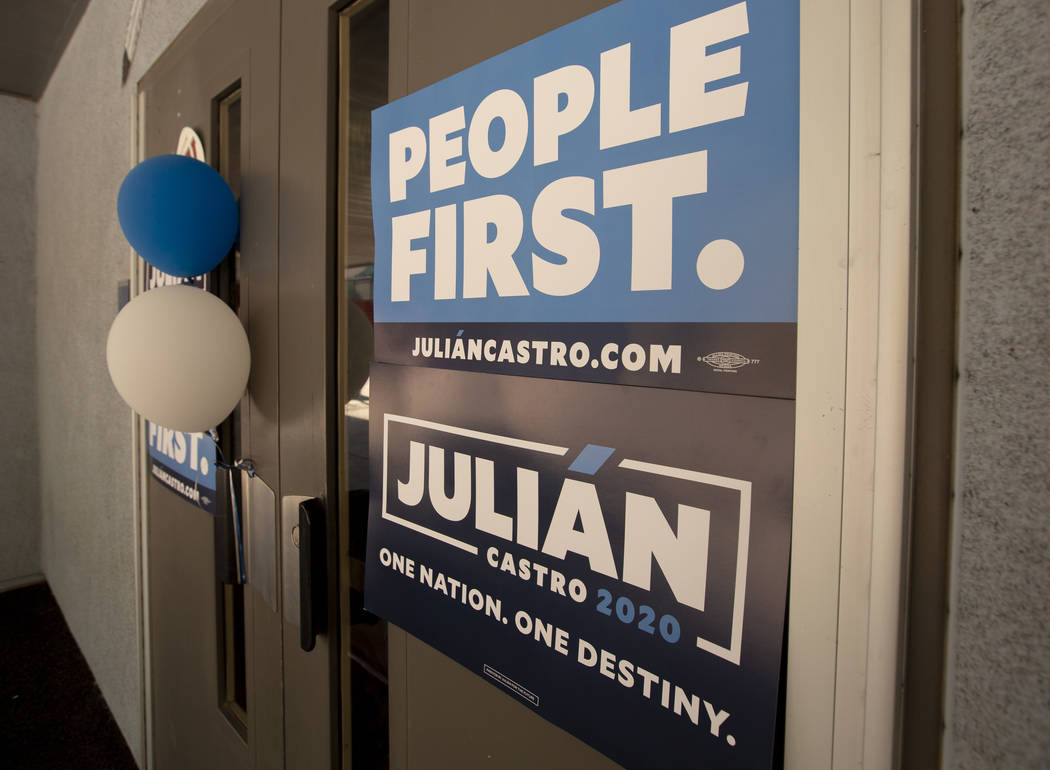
point(731, 653)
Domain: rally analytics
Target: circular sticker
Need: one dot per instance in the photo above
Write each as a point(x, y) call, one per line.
point(191, 145)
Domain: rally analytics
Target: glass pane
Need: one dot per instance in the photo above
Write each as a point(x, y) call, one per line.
point(362, 88)
point(233, 684)
point(230, 141)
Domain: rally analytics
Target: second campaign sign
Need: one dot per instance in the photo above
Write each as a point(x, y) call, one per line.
point(182, 462)
point(582, 409)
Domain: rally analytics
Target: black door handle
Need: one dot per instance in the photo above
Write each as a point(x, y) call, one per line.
point(313, 574)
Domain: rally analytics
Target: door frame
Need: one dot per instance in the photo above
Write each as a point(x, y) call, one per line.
point(854, 418)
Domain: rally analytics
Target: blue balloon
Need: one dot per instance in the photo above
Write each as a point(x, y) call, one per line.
point(178, 214)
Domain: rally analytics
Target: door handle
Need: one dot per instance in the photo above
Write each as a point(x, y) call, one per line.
point(313, 576)
point(304, 568)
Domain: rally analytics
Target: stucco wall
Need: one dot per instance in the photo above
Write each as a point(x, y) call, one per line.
point(88, 541)
point(19, 479)
point(999, 681)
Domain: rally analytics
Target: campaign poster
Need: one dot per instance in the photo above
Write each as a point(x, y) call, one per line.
point(608, 558)
point(582, 410)
point(184, 463)
point(615, 201)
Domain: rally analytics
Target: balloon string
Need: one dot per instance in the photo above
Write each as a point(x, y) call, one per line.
point(238, 534)
point(247, 465)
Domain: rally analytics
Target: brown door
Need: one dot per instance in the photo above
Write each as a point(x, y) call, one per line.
point(231, 685)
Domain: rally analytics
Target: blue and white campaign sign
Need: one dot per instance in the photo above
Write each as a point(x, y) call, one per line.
point(606, 557)
point(152, 278)
point(184, 463)
point(615, 201)
point(610, 205)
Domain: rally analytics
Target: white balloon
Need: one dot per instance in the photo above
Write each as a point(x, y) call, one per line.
point(179, 357)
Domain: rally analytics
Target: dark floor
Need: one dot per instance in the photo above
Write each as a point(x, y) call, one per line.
point(52, 715)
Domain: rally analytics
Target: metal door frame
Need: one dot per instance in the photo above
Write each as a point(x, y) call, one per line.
point(855, 422)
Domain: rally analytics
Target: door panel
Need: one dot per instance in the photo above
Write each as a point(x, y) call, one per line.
point(187, 723)
point(306, 309)
point(231, 44)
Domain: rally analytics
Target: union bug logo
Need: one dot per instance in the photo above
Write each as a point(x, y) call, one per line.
point(727, 362)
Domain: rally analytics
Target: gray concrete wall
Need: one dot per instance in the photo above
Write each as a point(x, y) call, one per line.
point(999, 678)
point(19, 479)
point(88, 521)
